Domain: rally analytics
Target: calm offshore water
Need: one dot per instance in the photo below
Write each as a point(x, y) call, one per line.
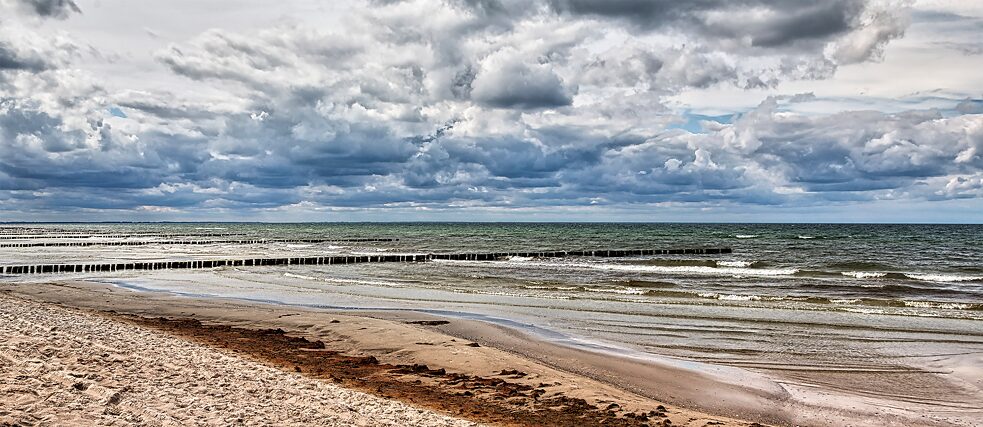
point(871, 309)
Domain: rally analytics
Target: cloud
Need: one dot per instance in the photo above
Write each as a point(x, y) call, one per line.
point(58, 9)
point(505, 81)
point(10, 59)
point(474, 104)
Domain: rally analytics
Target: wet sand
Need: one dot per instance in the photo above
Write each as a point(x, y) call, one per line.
point(475, 370)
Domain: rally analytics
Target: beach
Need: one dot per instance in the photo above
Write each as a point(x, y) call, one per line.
point(81, 353)
point(793, 325)
point(65, 367)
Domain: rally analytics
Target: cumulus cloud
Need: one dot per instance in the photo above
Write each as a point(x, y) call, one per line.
point(507, 82)
point(473, 103)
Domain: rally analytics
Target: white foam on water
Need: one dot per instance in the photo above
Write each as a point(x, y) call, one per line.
point(299, 276)
point(864, 274)
point(844, 301)
point(739, 298)
point(635, 268)
point(807, 237)
point(738, 264)
point(626, 291)
point(944, 278)
point(746, 236)
point(942, 305)
point(345, 281)
point(686, 269)
point(729, 297)
point(552, 288)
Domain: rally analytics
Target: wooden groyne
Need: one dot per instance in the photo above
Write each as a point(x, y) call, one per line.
point(108, 236)
point(186, 242)
point(340, 259)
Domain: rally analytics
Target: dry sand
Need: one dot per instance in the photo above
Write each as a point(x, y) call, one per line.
point(61, 366)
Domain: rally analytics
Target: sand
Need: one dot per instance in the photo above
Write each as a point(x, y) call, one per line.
point(473, 387)
point(474, 370)
point(61, 366)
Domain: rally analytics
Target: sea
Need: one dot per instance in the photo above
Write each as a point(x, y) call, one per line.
point(879, 311)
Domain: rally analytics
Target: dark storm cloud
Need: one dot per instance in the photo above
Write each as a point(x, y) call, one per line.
point(51, 8)
point(11, 60)
point(776, 22)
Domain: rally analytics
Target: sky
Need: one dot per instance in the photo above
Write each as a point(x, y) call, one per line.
point(492, 110)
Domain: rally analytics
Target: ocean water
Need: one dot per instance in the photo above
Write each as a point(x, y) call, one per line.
point(881, 311)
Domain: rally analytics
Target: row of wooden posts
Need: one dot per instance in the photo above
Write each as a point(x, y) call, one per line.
point(107, 236)
point(338, 259)
point(185, 242)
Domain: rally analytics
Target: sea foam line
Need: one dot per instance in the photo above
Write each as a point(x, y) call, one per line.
point(701, 270)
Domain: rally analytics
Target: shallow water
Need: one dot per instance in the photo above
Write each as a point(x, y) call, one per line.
point(892, 311)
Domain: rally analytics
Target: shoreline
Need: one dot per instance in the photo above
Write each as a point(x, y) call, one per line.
point(480, 349)
point(461, 378)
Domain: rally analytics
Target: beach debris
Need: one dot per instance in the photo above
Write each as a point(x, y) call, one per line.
point(514, 373)
point(428, 322)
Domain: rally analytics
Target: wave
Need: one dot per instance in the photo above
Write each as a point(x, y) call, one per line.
point(697, 270)
point(806, 237)
point(732, 268)
point(682, 269)
point(738, 264)
point(943, 305)
point(701, 263)
point(922, 277)
point(553, 288)
point(870, 302)
point(345, 281)
point(623, 291)
point(863, 274)
point(729, 297)
point(944, 278)
point(746, 236)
